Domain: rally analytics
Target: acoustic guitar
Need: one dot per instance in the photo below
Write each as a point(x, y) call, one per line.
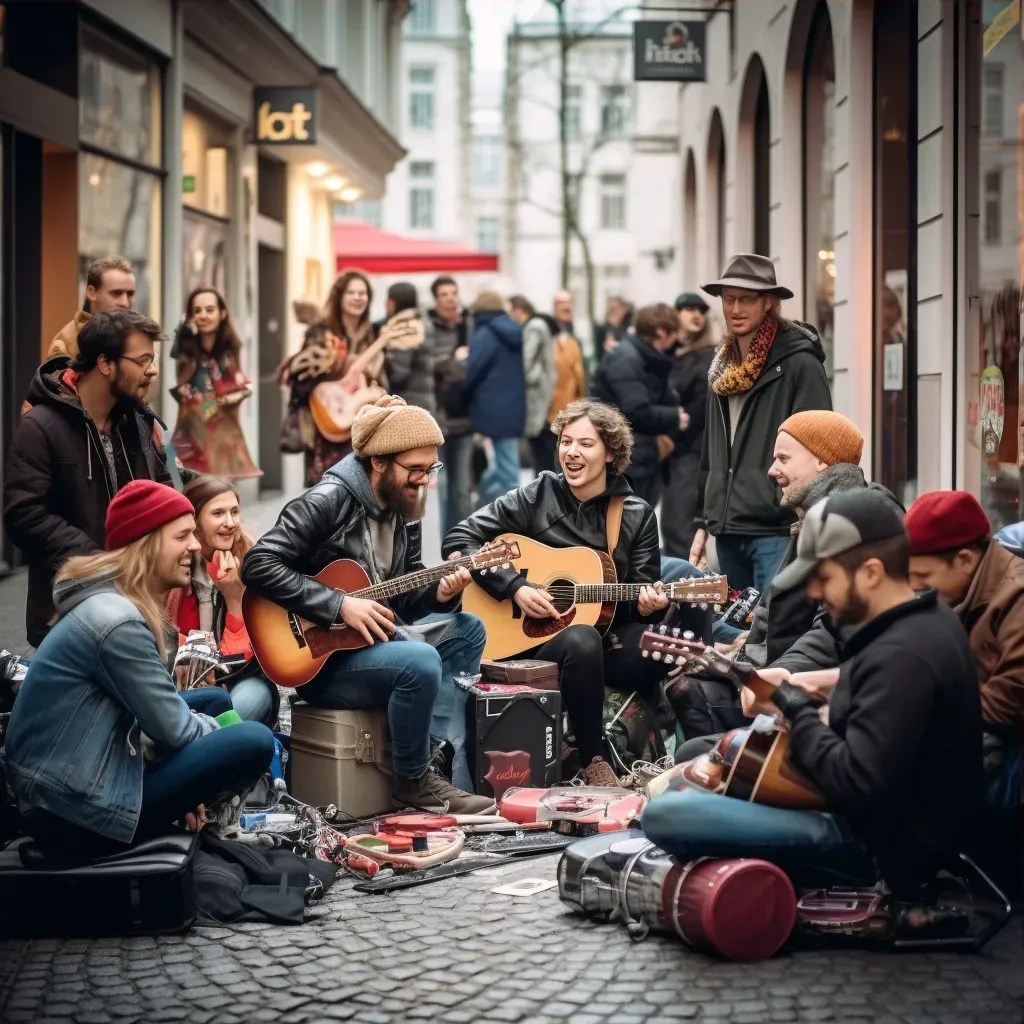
point(334, 403)
point(291, 650)
point(749, 764)
point(583, 587)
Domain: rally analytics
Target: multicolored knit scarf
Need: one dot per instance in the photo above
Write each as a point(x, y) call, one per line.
point(728, 377)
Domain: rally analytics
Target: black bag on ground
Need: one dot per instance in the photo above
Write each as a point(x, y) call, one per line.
point(144, 890)
point(243, 882)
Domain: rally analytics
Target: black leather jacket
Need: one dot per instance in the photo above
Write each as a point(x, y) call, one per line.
point(331, 521)
point(546, 511)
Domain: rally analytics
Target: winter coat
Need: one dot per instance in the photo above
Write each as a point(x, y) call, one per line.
point(410, 371)
point(65, 341)
point(736, 496)
point(330, 521)
point(546, 510)
point(635, 378)
point(73, 745)
point(993, 615)
point(689, 376)
point(495, 385)
point(539, 373)
point(901, 756)
point(570, 376)
point(780, 618)
point(441, 340)
point(58, 481)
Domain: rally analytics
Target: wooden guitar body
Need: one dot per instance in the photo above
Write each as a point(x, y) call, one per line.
point(334, 407)
point(557, 570)
point(290, 649)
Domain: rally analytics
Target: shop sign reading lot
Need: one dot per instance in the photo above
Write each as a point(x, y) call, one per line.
point(285, 115)
point(669, 51)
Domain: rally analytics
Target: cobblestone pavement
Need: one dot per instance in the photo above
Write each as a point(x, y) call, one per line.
point(452, 952)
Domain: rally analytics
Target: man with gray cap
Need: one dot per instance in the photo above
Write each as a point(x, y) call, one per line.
point(766, 369)
point(898, 762)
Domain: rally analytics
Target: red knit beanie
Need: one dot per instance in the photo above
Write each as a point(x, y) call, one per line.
point(944, 521)
point(140, 508)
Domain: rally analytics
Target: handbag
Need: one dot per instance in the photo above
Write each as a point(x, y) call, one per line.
point(666, 446)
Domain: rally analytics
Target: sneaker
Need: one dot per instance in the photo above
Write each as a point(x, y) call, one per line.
point(432, 792)
point(599, 773)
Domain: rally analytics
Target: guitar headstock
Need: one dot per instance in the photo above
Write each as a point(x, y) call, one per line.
point(699, 590)
point(663, 644)
point(495, 555)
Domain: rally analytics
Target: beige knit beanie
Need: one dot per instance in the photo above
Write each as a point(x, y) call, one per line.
point(389, 426)
point(828, 436)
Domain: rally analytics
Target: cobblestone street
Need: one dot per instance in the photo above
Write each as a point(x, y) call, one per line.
point(453, 952)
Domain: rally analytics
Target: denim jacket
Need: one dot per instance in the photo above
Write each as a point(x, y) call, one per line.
point(96, 682)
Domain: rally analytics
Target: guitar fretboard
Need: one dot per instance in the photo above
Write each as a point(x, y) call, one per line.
point(412, 580)
point(599, 593)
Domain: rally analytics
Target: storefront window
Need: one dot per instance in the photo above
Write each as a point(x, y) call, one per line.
point(819, 180)
point(895, 322)
point(119, 166)
point(206, 250)
point(998, 416)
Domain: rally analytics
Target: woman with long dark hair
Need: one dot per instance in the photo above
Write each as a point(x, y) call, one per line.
point(330, 349)
point(210, 389)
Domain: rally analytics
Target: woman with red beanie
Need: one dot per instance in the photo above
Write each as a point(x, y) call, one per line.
point(74, 749)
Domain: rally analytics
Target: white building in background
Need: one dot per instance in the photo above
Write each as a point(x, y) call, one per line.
point(621, 154)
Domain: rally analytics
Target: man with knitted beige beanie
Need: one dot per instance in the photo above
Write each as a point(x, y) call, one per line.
point(367, 508)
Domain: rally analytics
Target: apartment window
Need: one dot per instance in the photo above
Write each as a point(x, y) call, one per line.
point(421, 194)
point(487, 160)
point(992, 110)
point(614, 111)
point(993, 207)
point(368, 210)
point(573, 111)
point(421, 99)
point(487, 234)
point(422, 20)
point(613, 202)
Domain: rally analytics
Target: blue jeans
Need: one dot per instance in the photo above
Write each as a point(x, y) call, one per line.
point(455, 484)
point(402, 675)
point(253, 698)
point(208, 770)
point(813, 848)
point(208, 700)
point(673, 569)
point(749, 561)
point(502, 474)
point(460, 647)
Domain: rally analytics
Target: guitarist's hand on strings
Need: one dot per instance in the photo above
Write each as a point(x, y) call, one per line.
point(368, 618)
point(453, 585)
point(760, 703)
point(652, 599)
point(535, 603)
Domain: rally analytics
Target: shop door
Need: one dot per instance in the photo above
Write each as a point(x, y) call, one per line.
point(271, 335)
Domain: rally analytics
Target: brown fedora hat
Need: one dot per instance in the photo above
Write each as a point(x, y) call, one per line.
point(750, 271)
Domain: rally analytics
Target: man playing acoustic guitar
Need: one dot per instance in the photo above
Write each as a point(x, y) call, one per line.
point(367, 508)
point(899, 762)
point(569, 509)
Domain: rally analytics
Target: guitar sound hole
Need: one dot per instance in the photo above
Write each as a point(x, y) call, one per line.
point(562, 594)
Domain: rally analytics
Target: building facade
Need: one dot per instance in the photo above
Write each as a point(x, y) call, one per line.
point(876, 153)
point(137, 131)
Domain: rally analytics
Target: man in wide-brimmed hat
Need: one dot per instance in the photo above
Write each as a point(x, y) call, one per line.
point(765, 370)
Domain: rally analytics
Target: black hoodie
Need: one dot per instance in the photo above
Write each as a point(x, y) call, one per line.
point(58, 480)
point(736, 496)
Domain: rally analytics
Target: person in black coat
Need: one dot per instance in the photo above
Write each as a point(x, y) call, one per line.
point(634, 377)
point(689, 377)
point(899, 760)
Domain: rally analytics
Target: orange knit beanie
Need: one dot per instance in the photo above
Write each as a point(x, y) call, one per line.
point(828, 436)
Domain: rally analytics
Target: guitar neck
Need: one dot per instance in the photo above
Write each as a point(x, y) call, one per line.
point(600, 593)
point(411, 581)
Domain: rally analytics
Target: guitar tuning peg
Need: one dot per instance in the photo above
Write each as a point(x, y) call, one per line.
point(669, 659)
point(718, 609)
point(645, 654)
point(662, 630)
point(675, 632)
point(703, 606)
point(688, 635)
point(656, 656)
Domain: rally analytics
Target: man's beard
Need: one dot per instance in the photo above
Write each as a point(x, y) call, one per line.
point(855, 609)
point(402, 501)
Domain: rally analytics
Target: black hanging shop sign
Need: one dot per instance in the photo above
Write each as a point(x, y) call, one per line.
point(669, 51)
point(285, 115)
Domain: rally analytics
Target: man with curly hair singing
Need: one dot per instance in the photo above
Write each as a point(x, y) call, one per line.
point(571, 509)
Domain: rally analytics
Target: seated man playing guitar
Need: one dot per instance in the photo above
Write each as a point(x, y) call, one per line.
point(899, 762)
point(367, 508)
point(575, 508)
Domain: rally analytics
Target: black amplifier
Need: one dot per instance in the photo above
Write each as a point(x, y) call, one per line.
point(514, 737)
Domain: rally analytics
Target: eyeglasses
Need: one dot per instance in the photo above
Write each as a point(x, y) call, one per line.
point(143, 362)
point(427, 471)
point(743, 301)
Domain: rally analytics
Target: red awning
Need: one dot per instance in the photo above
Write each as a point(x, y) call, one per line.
point(361, 246)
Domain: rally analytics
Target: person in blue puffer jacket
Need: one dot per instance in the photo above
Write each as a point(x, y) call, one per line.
point(495, 392)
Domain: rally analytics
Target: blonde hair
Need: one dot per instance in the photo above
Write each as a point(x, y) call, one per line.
point(132, 567)
point(488, 302)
